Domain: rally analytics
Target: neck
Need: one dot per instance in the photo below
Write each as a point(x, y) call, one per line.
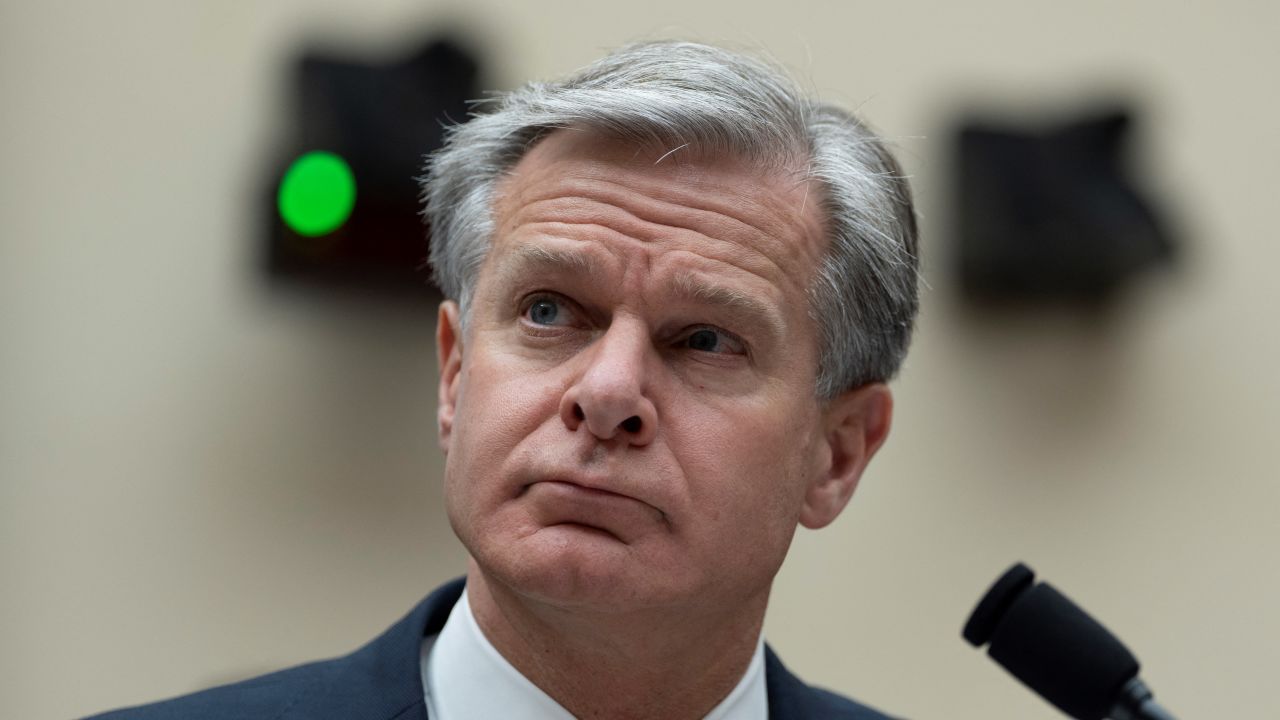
point(674, 664)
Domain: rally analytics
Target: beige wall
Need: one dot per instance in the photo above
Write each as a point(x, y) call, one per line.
point(201, 479)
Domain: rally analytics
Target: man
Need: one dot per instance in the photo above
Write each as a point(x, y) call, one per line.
point(676, 288)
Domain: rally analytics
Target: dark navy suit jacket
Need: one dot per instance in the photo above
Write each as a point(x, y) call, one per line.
point(382, 681)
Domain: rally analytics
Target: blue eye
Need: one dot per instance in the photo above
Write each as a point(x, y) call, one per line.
point(551, 311)
point(544, 312)
point(704, 340)
point(712, 340)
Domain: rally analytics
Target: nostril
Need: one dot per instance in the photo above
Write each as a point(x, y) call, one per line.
point(577, 412)
point(632, 424)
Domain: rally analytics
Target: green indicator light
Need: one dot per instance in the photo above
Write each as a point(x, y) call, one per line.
point(316, 194)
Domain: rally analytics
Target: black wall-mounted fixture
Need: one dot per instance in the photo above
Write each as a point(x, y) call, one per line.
point(1051, 212)
point(343, 200)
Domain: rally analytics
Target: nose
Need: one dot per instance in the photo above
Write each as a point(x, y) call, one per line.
point(610, 398)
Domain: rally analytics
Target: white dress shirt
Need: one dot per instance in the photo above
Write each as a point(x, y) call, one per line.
point(464, 677)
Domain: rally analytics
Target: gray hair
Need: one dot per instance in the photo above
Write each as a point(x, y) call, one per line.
point(863, 297)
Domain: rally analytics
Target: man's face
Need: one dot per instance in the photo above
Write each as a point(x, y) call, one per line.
point(630, 419)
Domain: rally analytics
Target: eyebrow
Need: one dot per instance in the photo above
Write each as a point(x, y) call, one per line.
point(690, 286)
point(535, 258)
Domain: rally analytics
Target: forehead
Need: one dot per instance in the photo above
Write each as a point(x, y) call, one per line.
point(576, 184)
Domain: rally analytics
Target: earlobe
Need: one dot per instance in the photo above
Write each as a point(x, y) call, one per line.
point(449, 357)
point(856, 425)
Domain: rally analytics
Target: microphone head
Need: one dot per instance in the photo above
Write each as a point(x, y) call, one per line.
point(1052, 646)
point(982, 623)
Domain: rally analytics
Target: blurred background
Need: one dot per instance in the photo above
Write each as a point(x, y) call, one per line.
point(218, 455)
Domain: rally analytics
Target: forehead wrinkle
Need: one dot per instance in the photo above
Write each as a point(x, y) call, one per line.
point(578, 219)
point(664, 207)
point(764, 223)
point(578, 215)
point(574, 217)
point(703, 193)
point(772, 209)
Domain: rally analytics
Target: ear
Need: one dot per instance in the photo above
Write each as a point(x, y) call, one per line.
point(449, 356)
point(855, 426)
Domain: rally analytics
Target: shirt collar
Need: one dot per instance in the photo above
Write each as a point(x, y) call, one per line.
point(464, 677)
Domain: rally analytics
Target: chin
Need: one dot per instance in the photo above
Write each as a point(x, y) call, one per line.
point(575, 566)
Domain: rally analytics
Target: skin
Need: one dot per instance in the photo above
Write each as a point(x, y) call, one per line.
point(631, 431)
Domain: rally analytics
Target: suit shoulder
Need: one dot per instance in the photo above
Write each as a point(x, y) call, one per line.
point(265, 697)
point(826, 704)
point(791, 699)
point(380, 680)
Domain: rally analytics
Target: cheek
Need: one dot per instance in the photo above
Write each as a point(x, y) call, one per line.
point(498, 407)
point(748, 470)
point(744, 487)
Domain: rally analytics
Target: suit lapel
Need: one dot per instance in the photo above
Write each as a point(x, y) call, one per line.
point(382, 680)
point(786, 693)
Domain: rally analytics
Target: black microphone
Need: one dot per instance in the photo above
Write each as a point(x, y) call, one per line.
point(1056, 649)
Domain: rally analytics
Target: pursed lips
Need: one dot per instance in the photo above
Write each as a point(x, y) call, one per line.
point(565, 502)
